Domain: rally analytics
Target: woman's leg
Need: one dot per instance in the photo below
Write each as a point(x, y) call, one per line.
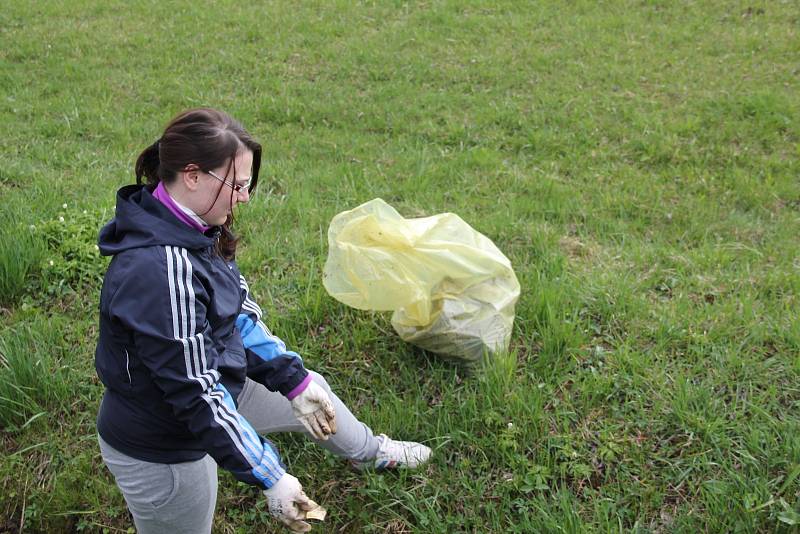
point(271, 412)
point(165, 498)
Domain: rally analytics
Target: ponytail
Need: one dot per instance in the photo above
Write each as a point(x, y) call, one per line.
point(148, 165)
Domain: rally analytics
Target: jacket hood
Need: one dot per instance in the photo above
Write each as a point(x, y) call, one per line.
point(141, 220)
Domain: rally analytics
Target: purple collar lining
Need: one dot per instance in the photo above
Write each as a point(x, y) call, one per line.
point(161, 194)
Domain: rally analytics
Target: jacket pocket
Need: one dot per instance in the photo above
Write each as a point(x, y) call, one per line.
point(115, 366)
point(128, 374)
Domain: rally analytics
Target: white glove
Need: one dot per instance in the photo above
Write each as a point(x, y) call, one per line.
point(288, 503)
point(314, 409)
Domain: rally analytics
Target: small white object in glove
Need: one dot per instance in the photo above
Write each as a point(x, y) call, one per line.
point(288, 503)
point(313, 407)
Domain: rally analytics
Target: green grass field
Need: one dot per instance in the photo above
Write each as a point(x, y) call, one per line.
point(638, 161)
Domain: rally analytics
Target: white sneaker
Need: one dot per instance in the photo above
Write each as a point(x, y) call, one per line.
point(394, 454)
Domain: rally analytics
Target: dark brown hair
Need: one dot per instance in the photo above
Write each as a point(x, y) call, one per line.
point(207, 138)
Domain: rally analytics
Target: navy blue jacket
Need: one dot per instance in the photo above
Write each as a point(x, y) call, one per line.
point(179, 333)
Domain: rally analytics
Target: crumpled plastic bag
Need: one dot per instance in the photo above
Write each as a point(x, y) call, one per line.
point(451, 289)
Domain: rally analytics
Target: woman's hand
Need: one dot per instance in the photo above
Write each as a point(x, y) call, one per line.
point(288, 503)
point(314, 409)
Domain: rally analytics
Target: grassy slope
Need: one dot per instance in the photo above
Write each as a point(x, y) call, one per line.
point(637, 161)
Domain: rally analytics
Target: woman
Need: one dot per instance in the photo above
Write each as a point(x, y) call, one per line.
point(192, 374)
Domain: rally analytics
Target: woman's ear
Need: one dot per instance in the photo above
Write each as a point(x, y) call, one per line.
point(190, 175)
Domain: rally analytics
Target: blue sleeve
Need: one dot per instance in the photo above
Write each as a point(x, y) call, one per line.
point(164, 305)
point(268, 360)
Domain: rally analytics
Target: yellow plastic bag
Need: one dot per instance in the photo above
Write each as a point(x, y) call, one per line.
point(451, 289)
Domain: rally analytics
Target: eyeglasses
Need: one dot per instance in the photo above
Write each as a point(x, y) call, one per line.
point(236, 187)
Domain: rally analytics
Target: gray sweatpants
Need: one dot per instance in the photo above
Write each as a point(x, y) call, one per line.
point(180, 498)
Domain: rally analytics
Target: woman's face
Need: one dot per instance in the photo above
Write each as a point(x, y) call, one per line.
point(220, 198)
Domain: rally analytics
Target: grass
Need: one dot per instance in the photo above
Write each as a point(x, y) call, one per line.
point(32, 380)
point(636, 160)
point(21, 259)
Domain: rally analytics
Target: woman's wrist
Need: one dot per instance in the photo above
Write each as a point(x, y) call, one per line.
point(299, 388)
